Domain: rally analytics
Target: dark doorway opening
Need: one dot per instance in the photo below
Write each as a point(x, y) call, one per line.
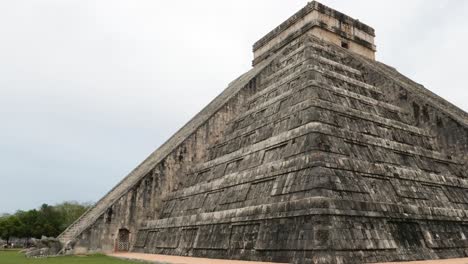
point(123, 243)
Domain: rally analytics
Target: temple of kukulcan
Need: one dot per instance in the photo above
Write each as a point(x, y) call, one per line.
point(318, 154)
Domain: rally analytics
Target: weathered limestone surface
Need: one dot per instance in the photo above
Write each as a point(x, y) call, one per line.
point(44, 247)
point(317, 155)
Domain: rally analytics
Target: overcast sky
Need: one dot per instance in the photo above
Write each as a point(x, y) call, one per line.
point(88, 89)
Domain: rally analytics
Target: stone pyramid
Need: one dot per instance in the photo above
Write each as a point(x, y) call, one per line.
point(319, 154)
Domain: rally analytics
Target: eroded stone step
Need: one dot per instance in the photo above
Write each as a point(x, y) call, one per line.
point(308, 64)
point(361, 97)
point(332, 53)
point(289, 91)
point(394, 171)
point(323, 165)
point(385, 146)
point(270, 87)
point(343, 110)
point(271, 101)
point(335, 64)
point(321, 160)
point(349, 80)
point(284, 138)
point(282, 67)
point(309, 206)
point(256, 128)
point(265, 92)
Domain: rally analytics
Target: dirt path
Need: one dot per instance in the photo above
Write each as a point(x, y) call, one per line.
point(188, 260)
point(441, 261)
point(180, 260)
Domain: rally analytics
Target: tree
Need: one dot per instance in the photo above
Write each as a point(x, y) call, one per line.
point(71, 211)
point(9, 227)
point(49, 221)
point(29, 223)
point(46, 221)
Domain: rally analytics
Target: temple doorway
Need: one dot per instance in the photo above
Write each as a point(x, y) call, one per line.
point(123, 243)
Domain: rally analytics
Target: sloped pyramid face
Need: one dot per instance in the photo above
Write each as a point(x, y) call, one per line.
point(317, 155)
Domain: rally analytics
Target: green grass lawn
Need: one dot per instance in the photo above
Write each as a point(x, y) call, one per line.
point(14, 257)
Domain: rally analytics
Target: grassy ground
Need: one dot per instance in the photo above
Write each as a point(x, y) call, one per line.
point(14, 257)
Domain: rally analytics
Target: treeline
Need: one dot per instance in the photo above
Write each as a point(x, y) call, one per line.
point(47, 221)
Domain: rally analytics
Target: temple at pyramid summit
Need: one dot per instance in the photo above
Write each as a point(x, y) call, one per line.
point(318, 154)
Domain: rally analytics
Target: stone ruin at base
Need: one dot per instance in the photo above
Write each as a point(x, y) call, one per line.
point(44, 247)
point(319, 154)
